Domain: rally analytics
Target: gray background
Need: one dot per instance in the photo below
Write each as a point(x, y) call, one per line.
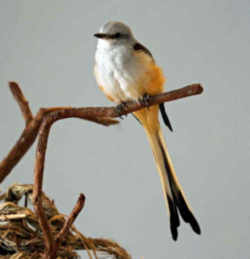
point(48, 47)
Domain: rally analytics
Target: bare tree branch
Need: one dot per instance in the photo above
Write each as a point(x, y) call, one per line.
point(131, 106)
point(40, 126)
point(101, 115)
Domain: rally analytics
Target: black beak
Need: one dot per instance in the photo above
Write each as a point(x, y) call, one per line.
point(101, 35)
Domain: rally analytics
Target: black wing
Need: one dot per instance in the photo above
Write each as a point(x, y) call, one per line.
point(139, 47)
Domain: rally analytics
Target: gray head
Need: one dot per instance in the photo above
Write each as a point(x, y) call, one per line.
point(115, 33)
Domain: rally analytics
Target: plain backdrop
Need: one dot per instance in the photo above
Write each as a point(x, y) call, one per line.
point(48, 48)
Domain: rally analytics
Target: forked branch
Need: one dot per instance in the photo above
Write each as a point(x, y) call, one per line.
point(40, 126)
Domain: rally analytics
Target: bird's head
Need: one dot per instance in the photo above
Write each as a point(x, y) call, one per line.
point(115, 33)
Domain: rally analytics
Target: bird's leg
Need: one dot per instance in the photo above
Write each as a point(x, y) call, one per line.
point(120, 109)
point(144, 100)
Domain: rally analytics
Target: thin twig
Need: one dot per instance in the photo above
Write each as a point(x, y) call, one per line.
point(12, 216)
point(22, 102)
point(68, 223)
point(110, 247)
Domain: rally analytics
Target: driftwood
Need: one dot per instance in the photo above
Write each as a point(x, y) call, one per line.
point(44, 232)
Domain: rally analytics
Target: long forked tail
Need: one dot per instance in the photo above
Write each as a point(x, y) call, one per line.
point(173, 193)
point(175, 197)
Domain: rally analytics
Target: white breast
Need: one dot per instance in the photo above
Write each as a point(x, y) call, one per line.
point(118, 71)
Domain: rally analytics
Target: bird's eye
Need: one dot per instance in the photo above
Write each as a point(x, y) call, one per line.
point(118, 35)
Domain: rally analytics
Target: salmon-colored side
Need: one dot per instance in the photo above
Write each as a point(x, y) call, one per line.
point(152, 82)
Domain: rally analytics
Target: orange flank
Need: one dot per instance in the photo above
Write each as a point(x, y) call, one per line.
point(152, 83)
point(153, 80)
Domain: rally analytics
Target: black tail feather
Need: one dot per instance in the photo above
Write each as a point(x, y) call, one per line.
point(165, 116)
point(186, 214)
point(174, 218)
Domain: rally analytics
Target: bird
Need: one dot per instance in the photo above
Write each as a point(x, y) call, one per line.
point(126, 70)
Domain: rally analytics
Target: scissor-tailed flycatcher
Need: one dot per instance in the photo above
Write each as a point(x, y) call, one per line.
point(125, 70)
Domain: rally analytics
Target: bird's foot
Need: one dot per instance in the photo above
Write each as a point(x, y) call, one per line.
point(120, 108)
point(144, 100)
